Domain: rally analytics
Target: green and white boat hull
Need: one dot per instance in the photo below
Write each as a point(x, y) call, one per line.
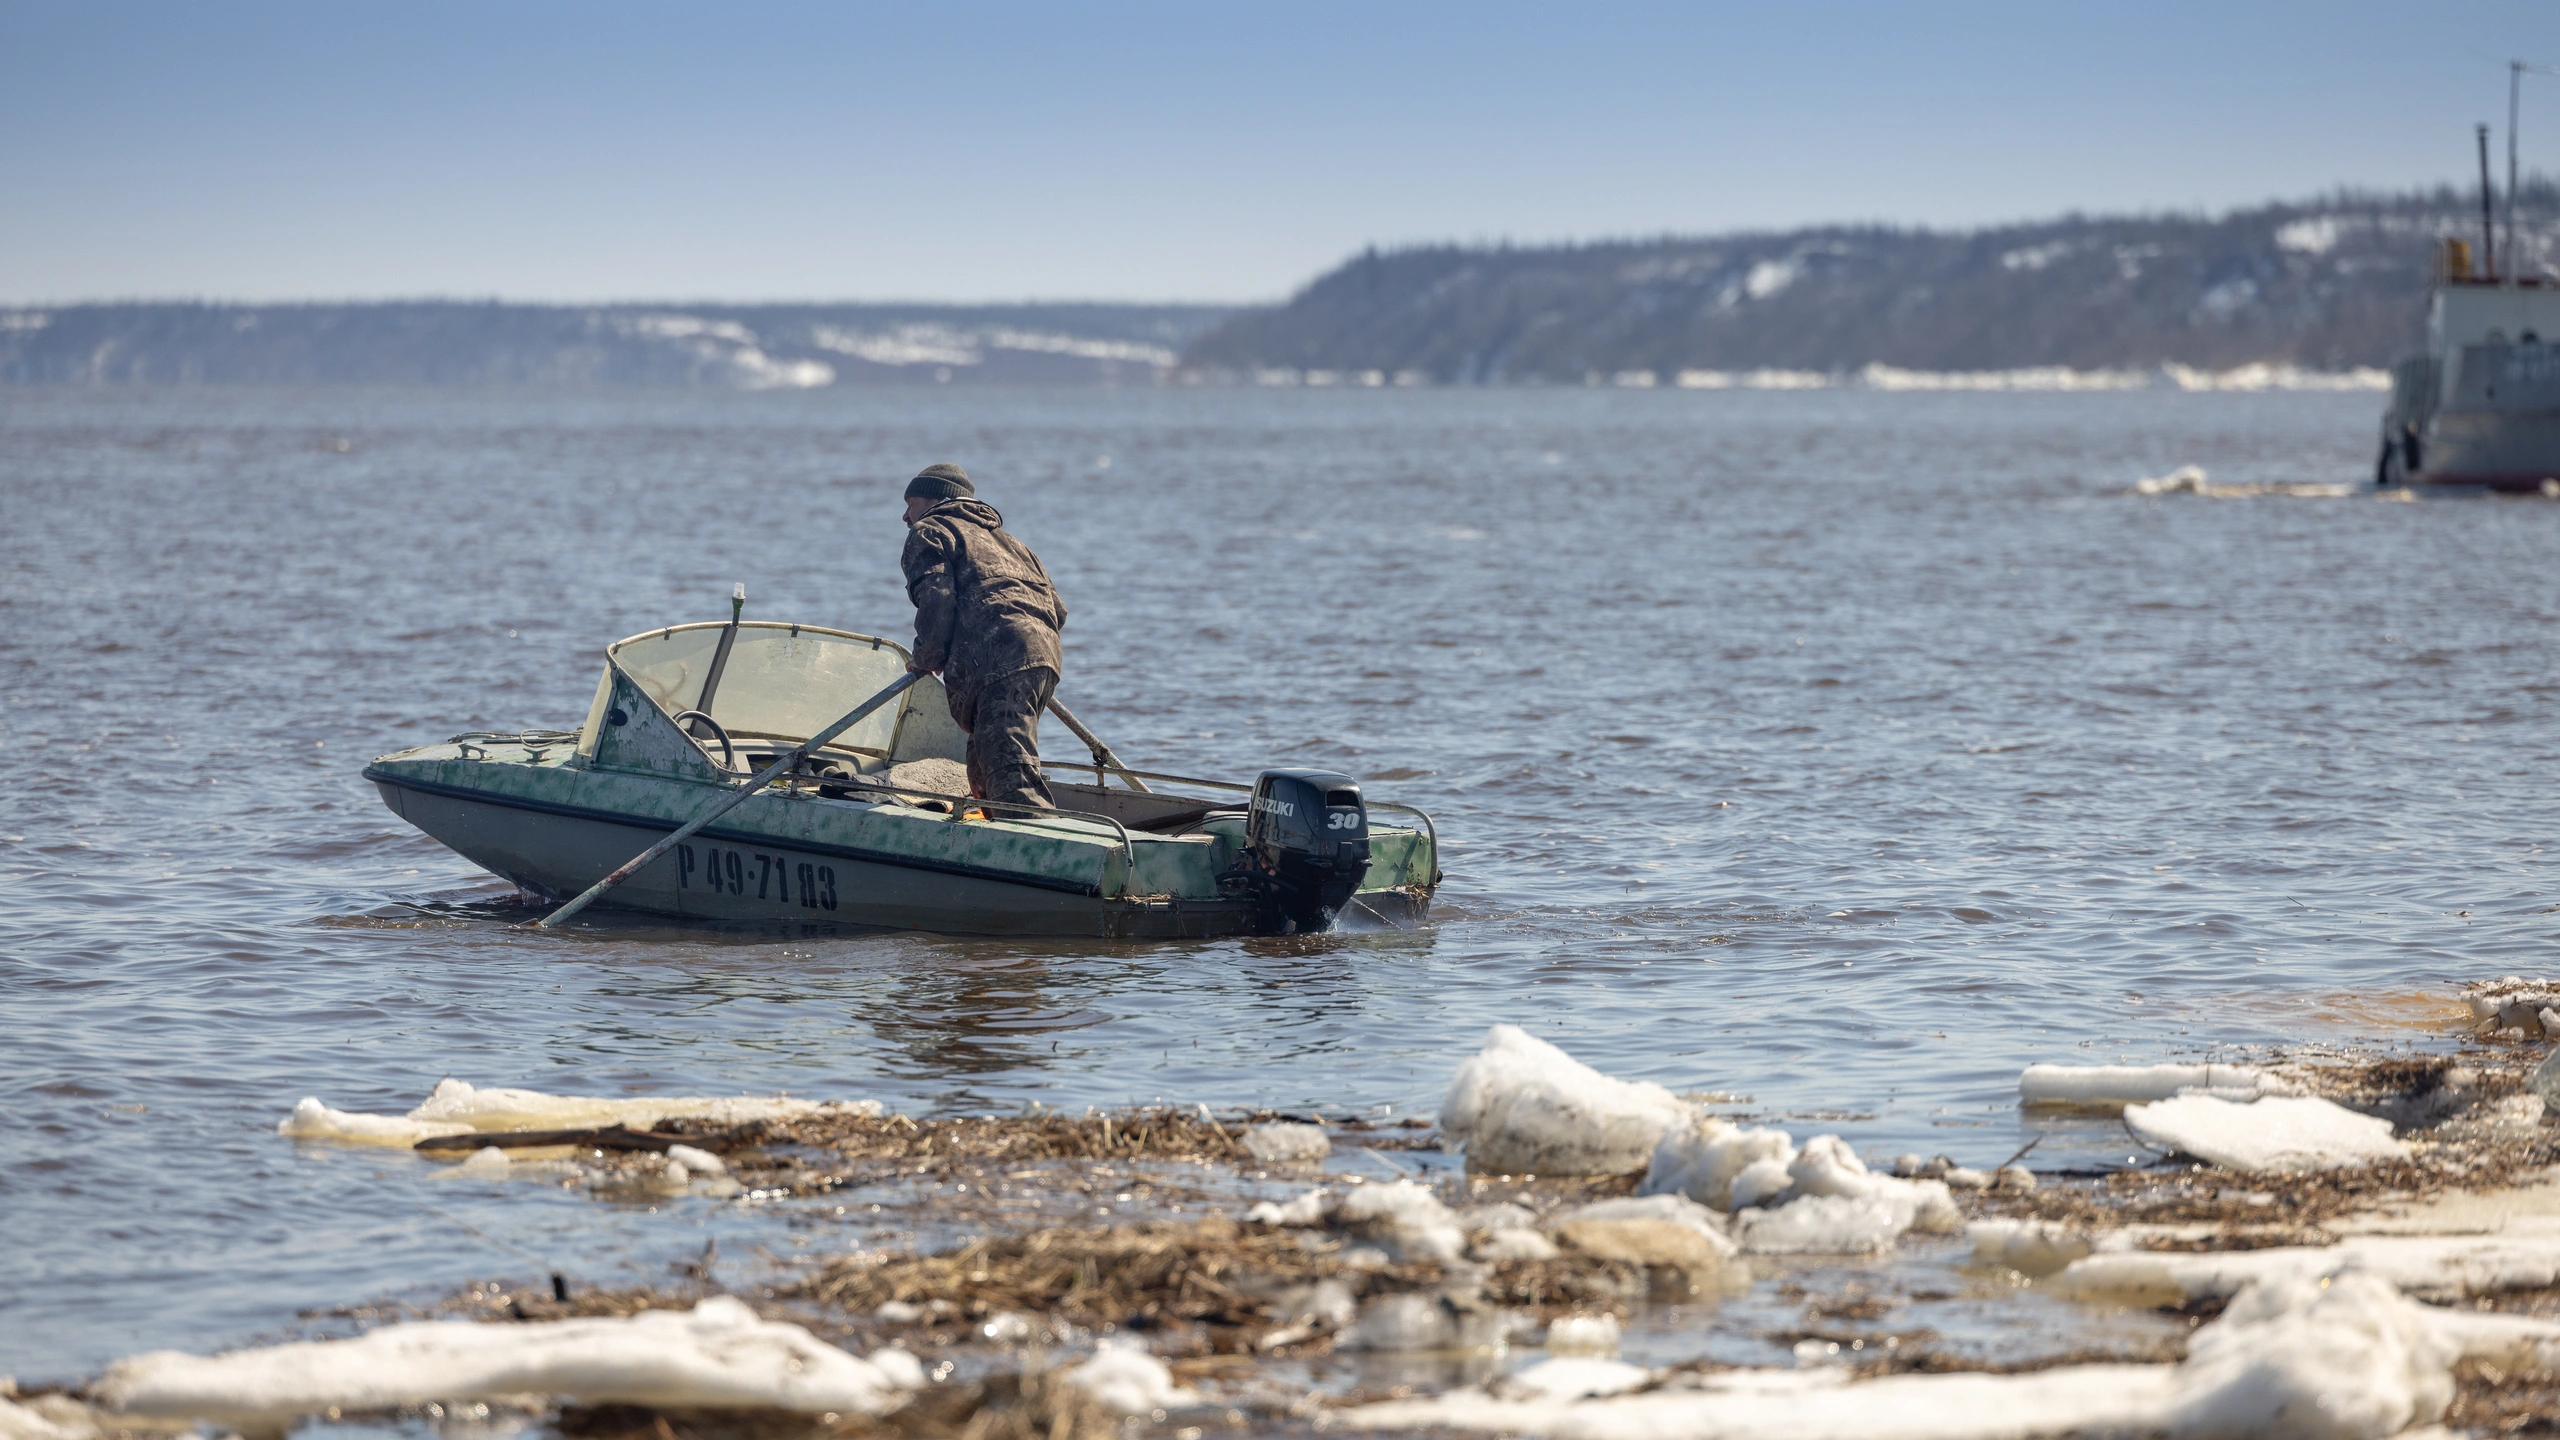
point(556, 813)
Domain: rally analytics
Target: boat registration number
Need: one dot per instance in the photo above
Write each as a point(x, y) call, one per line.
point(728, 871)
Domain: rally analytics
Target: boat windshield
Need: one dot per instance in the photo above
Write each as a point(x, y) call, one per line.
point(784, 682)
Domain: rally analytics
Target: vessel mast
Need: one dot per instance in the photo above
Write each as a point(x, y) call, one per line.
point(2488, 230)
point(2516, 71)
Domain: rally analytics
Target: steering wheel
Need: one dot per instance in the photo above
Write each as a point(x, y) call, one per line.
point(728, 752)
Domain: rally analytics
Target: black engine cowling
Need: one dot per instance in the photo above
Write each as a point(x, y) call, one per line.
point(1306, 847)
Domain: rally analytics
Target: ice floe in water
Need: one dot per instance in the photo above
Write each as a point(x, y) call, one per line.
point(2273, 1134)
point(716, 1356)
point(312, 1120)
point(458, 1108)
point(2191, 480)
point(1521, 1106)
point(2342, 1357)
point(2112, 1087)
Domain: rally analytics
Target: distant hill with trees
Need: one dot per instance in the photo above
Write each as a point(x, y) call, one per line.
point(2328, 285)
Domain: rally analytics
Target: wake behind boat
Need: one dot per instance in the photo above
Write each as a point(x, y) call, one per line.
point(871, 828)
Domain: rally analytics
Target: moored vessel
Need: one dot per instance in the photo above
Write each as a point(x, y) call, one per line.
point(2481, 406)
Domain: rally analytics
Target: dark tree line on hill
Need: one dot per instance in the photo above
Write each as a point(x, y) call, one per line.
point(2328, 285)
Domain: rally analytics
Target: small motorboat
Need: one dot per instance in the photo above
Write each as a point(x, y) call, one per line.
point(872, 829)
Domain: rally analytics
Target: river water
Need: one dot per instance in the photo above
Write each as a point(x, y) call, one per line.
point(1845, 751)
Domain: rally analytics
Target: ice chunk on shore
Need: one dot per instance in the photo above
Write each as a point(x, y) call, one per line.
point(1822, 1225)
point(1574, 1378)
point(1125, 1380)
point(312, 1120)
point(2275, 1134)
point(1665, 1230)
point(2433, 1267)
point(1310, 1209)
point(1510, 1233)
point(1834, 1205)
point(488, 1159)
point(1287, 1144)
point(1424, 1322)
point(1584, 1335)
point(1831, 1167)
point(498, 1108)
point(458, 1108)
point(2348, 1359)
point(1704, 1159)
point(1497, 1217)
point(699, 1162)
point(2033, 1248)
point(25, 1422)
point(1521, 1106)
point(1504, 1245)
point(1762, 1182)
point(2112, 1087)
point(1406, 1215)
point(2492, 999)
point(716, 1356)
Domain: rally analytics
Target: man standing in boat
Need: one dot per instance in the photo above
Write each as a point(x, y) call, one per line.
point(987, 622)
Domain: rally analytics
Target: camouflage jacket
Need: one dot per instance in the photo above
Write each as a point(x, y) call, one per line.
point(984, 607)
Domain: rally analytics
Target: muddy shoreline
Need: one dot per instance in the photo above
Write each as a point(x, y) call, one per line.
point(1284, 1271)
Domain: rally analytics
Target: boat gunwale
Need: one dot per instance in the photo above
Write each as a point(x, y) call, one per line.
point(1085, 888)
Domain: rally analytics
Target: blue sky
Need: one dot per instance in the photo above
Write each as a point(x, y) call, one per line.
point(1201, 151)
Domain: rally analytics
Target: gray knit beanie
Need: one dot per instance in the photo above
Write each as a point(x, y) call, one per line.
point(945, 481)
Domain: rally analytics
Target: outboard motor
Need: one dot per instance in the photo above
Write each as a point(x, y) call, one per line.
point(1306, 847)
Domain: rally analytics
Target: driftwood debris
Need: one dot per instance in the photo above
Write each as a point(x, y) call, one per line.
point(609, 1137)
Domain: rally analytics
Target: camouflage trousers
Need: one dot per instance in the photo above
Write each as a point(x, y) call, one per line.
point(1003, 721)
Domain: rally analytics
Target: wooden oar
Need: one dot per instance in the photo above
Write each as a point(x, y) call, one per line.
point(1101, 753)
point(781, 766)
